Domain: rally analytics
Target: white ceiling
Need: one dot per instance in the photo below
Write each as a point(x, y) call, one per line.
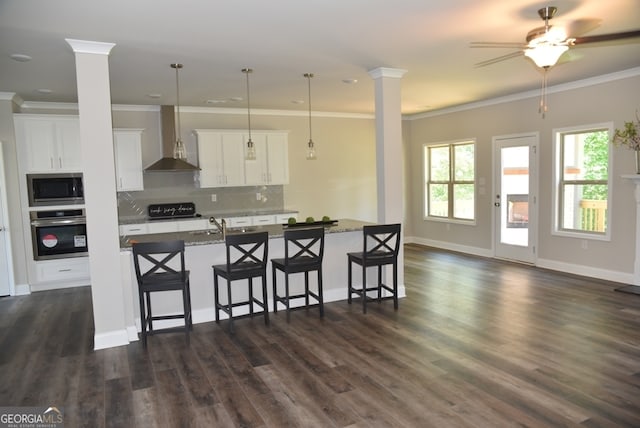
point(283, 39)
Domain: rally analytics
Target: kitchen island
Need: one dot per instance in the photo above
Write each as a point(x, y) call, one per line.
point(204, 249)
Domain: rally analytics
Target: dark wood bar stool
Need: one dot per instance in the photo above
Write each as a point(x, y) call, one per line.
point(160, 267)
point(303, 253)
point(246, 259)
point(380, 248)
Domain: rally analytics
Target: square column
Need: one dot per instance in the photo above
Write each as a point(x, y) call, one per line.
point(98, 164)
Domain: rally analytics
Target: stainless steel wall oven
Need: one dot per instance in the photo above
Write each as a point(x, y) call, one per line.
point(59, 234)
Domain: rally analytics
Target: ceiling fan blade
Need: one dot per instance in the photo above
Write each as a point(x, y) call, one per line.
point(499, 59)
point(513, 45)
point(579, 27)
point(605, 37)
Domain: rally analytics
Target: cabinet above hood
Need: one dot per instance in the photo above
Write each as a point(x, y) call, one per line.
point(168, 163)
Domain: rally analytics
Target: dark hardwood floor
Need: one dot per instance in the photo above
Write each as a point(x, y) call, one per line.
point(476, 343)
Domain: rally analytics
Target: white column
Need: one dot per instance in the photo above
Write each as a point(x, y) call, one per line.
point(96, 135)
point(636, 263)
point(389, 165)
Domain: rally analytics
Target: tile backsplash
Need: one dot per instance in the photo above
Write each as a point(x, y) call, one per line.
point(171, 187)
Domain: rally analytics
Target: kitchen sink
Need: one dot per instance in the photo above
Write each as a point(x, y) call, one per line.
point(204, 232)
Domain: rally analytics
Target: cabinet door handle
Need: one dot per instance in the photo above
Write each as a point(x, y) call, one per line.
point(51, 163)
point(60, 162)
point(64, 270)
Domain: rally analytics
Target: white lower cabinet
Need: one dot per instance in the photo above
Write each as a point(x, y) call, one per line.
point(76, 268)
point(239, 221)
point(191, 225)
point(284, 218)
point(162, 227)
point(133, 229)
point(261, 220)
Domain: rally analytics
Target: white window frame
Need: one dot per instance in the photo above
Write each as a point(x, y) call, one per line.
point(557, 175)
point(425, 178)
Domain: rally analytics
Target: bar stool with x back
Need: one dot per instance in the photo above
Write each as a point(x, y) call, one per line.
point(246, 259)
point(160, 267)
point(303, 252)
point(381, 246)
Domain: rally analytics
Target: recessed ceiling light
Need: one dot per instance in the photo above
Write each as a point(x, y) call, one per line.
point(349, 81)
point(216, 101)
point(44, 91)
point(236, 99)
point(297, 101)
point(20, 57)
point(155, 96)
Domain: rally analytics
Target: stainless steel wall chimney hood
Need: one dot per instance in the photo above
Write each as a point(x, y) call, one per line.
point(168, 163)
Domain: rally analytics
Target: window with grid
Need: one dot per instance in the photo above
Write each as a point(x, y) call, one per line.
point(582, 184)
point(449, 171)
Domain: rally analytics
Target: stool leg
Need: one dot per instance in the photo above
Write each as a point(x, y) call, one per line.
point(286, 292)
point(306, 288)
point(187, 313)
point(149, 313)
point(265, 299)
point(364, 288)
point(321, 298)
point(216, 297)
point(395, 285)
point(143, 319)
point(251, 297)
point(379, 284)
point(229, 307)
point(349, 281)
point(275, 291)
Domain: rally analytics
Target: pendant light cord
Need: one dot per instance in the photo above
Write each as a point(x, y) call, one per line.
point(309, 76)
point(247, 71)
point(178, 130)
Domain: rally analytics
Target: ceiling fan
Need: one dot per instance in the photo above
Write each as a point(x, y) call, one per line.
point(544, 45)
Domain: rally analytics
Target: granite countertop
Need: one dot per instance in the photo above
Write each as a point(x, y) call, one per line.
point(203, 237)
point(203, 216)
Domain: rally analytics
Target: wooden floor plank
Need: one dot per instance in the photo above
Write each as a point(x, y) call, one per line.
point(476, 342)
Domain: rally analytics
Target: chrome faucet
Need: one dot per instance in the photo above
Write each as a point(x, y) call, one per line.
point(222, 226)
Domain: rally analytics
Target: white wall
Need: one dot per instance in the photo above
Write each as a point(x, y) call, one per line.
point(615, 101)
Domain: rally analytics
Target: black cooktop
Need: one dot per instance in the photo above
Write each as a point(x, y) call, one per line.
point(173, 210)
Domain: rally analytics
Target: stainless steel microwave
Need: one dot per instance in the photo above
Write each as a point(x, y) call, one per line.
point(55, 189)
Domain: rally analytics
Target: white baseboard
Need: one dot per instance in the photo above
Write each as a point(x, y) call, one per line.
point(582, 270)
point(22, 290)
point(57, 286)
point(483, 252)
point(110, 339)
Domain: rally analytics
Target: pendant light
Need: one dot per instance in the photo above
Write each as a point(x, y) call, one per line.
point(311, 150)
point(179, 151)
point(251, 150)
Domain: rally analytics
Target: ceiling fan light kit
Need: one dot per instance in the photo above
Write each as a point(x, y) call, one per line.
point(545, 56)
point(545, 45)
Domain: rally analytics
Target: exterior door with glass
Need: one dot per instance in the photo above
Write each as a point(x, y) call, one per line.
point(515, 197)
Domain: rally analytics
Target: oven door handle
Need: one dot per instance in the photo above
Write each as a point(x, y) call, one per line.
point(48, 222)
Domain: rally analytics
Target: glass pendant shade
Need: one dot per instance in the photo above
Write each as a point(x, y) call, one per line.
point(311, 148)
point(250, 153)
point(179, 151)
point(311, 151)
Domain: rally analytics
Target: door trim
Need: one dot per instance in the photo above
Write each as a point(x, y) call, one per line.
point(6, 223)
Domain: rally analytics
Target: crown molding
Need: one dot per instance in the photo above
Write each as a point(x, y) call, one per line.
point(563, 87)
point(268, 112)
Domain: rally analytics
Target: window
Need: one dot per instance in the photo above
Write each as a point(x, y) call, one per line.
point(449, 171)
point(582, 189)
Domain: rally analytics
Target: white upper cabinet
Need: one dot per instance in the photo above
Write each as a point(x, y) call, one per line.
point(128, 153)
point(49, 143)
point(220, 158)
point(271, 166)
